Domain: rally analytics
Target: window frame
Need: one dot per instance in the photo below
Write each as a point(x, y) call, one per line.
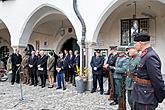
point(129, 26)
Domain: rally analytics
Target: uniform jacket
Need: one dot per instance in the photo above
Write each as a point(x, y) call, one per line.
point(25, 61)
point(120, 67)
point(132, 68)
point(50, 63)
point(15, 59)
point(97, 62)
point(149, 68)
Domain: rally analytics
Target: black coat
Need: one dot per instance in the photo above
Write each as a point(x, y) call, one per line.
point(33, 61)
point(66, 61)
point(42, 61)
point(97, 62)
point(149, 68)
point(15, 59)
point(77, 60)
point(112, 60)
point(71, 61)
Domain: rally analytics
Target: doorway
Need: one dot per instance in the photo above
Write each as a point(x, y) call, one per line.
point(70, 44)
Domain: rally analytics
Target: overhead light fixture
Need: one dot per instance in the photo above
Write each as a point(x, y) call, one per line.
point(62, 30)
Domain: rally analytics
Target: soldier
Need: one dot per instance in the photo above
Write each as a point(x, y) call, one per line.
point(51, 69)
point(97, 62)
point(134, 59)
point(33, 68)
point(120, 69)
point(25, 65)
point(42, 68)
point(16, 60)
point(149, 89)
point(60, 67)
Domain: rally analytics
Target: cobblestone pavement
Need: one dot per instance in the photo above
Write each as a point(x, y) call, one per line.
point(37, 98)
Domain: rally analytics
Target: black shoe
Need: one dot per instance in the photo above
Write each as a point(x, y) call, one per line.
point(43, 86)
point(50, 87)
point(58, 87)
point(64, 88)
point(35, 84)
point(93, 91)
point(101, 92)
point(12, 83)
point(31, 84)
point(107, 93)
point(17, 82)
point(114, 103)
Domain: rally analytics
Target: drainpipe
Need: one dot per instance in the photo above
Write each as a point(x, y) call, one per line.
point(83, 36)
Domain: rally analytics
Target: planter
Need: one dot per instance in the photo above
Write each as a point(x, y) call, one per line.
point(81, 83)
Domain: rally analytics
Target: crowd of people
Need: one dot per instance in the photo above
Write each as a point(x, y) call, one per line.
point(38, 64)
point(135, 70)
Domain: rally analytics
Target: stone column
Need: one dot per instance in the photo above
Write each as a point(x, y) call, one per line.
point(89, 54)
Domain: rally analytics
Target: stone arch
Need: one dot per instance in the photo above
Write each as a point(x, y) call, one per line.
point(5, 36)
point(106, 13)
point(62, 41)
point(38, 14)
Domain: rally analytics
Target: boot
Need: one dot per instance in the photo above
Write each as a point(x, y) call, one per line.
point(27, 81)
point(24, 80)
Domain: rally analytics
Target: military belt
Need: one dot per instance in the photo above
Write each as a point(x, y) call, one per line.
point(130, 74)
point(142, 81)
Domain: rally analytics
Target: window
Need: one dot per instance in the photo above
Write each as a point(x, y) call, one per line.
point(129, 27)
point(37, 44)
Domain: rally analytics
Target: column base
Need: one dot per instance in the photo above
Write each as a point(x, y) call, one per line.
point(89, 85)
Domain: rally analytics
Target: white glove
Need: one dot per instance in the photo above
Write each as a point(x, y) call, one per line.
point(39, 66)
point(112, 67)
point(95, 68)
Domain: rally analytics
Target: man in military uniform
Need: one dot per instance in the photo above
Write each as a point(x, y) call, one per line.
point(149, 88)
point(96, 63)
point(120, 69)
point(25, 65)
point(134, 59)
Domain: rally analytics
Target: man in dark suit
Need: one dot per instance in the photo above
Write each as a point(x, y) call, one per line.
point(16, 60)
point(97, 66)
point(66, 62)
point(111, 62)
point(149, 88)
point(33, 68)
point(42, 68)
point(70, 65)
